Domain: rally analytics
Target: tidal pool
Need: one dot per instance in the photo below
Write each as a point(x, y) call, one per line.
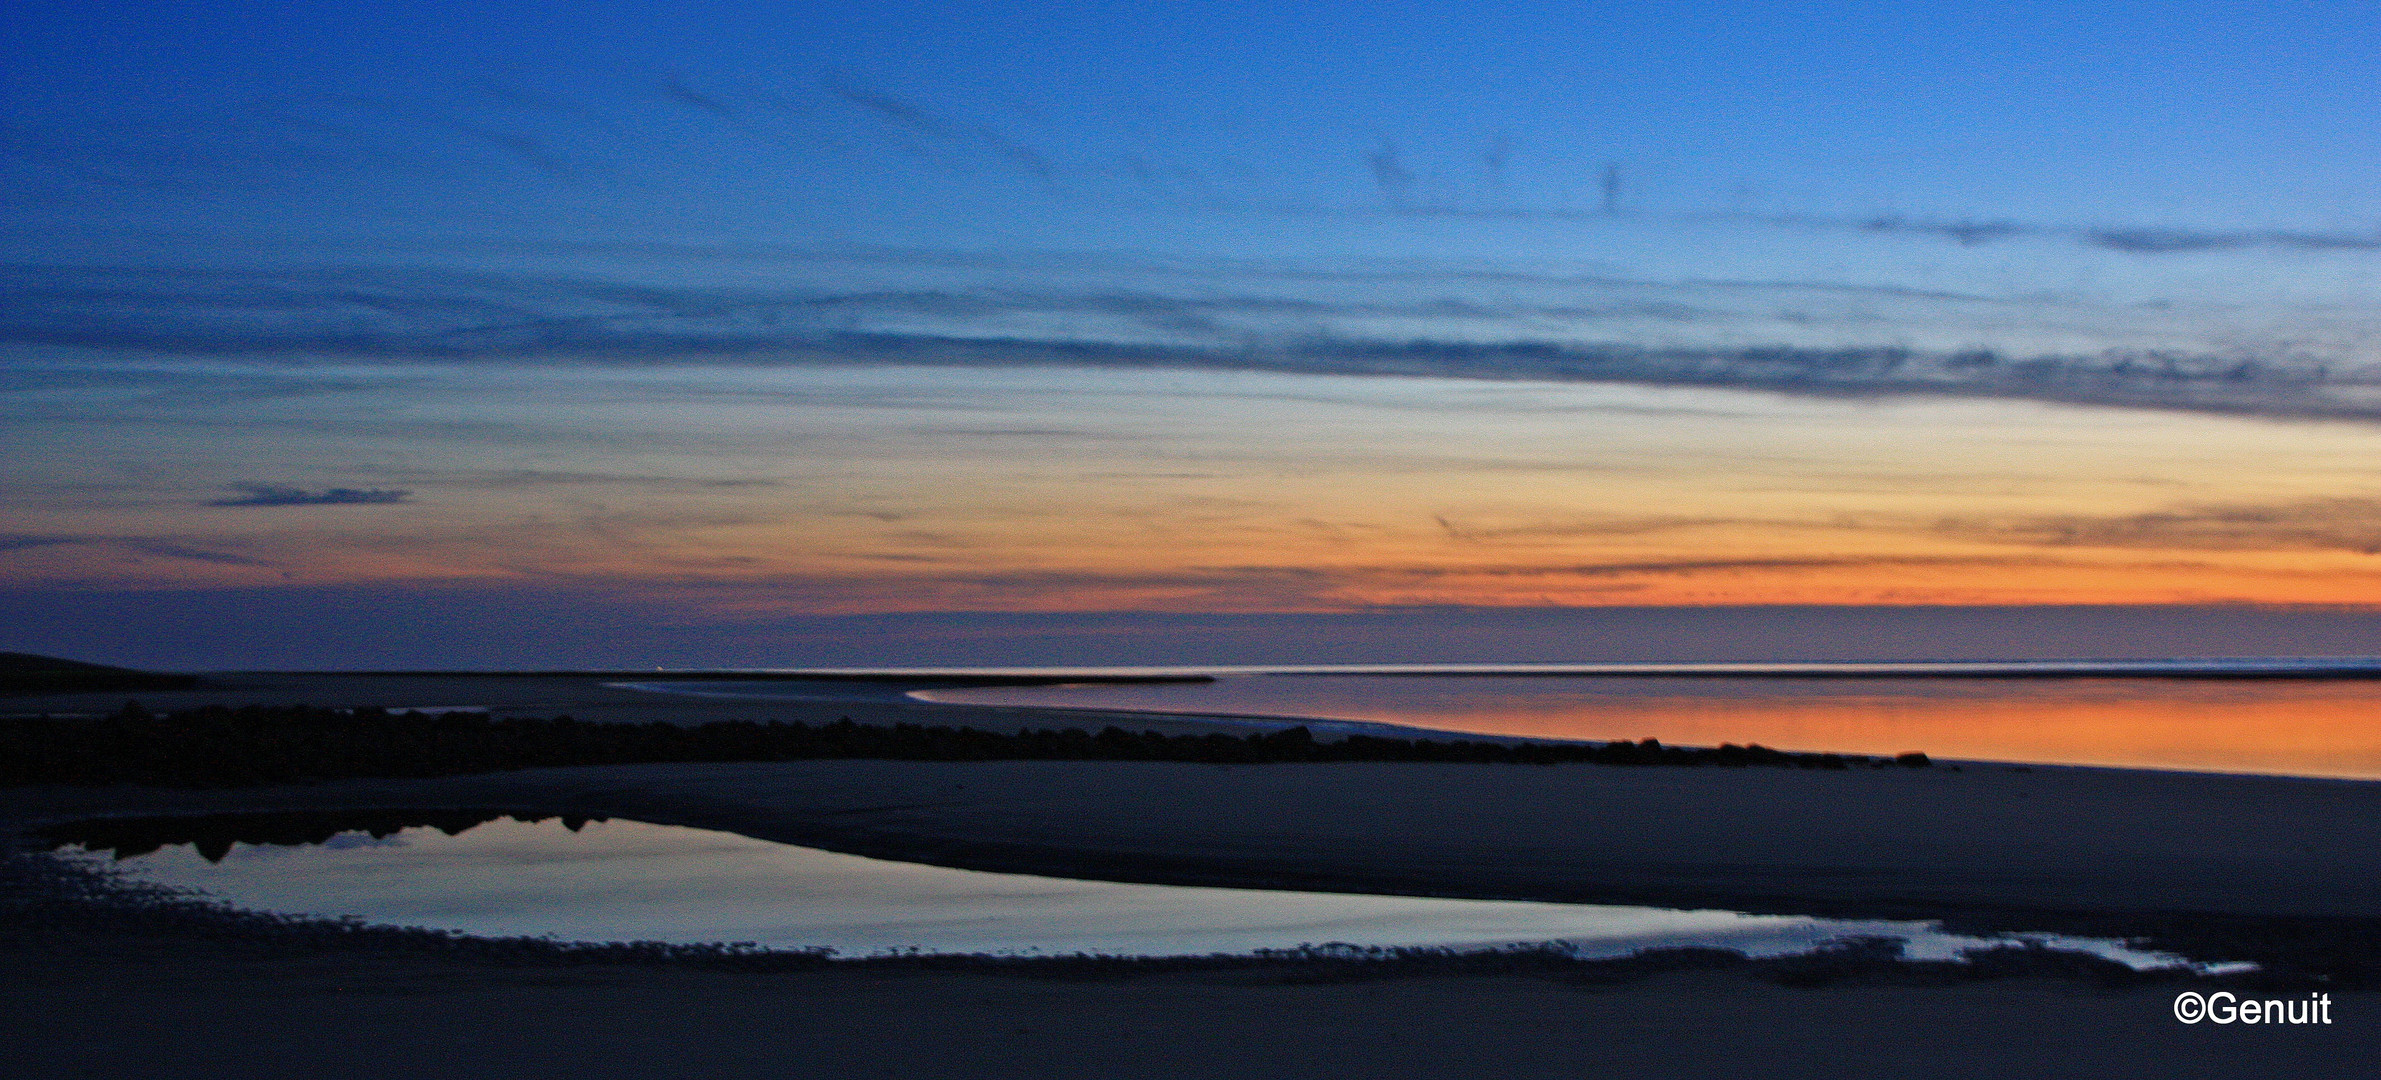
point(491, 875)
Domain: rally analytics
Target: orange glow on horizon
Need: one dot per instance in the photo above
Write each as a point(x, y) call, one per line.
point(1038, 490)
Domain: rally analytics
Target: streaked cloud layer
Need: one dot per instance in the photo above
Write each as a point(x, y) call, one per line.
point(917, 308)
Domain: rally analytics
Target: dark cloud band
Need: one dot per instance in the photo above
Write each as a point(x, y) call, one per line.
point(450, 316)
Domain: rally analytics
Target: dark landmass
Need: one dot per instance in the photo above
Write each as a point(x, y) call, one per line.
point(28, 673)
point(891, 677)
point(218, 746)
point(214, 834)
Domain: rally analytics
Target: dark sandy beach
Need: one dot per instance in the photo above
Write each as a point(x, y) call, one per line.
point(2228, 858)
point(197, 1009)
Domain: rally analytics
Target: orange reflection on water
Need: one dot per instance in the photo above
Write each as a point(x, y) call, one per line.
point(2308, 728)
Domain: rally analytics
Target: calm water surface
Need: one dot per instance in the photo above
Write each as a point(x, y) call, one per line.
point(2300, 727)
point(631, 881)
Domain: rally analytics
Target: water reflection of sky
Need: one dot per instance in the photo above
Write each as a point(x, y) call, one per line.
point(2313, 728)
point(625, 880)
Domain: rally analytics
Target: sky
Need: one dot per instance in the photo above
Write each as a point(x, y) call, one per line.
point(1006, 333)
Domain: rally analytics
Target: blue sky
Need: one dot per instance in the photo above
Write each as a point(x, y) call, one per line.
point(2062, 180)
point(782, 122)
point(578, 296)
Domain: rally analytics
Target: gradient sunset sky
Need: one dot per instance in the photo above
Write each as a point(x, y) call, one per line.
point(633, 333)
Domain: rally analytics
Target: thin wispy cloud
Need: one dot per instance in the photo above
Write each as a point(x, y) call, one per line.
point(2135, 240)
point(2162, 241)
point(26, 543)
point(117, 548)
point(675, 89)
point(1395, 180)
point(1471, 533)
point(2132, 240)
point(1695, 567)
point(278, 495)
point(909, 117)
point(169, 549)
point(502, 479)
point(399, 128)
point(2337, 524)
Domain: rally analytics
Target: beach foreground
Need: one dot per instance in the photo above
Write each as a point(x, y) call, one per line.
point(2284, 871)
point(110, 1007)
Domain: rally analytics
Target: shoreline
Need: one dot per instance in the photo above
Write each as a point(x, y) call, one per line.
point(2214, 667)
point(600, 697)
point(81, 893)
